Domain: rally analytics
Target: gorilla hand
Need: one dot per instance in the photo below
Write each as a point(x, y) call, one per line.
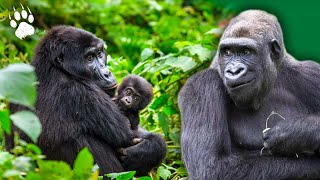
point(123, 151)
point(288, 138)
point(145, 155)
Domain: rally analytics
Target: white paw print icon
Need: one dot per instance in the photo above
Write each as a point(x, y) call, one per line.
point(23, 20)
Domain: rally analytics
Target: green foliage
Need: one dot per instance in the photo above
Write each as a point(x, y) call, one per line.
point(26, 162)
point(163, 173)
point(83, 164)
point(164, 41)
point(28, 122)
point(122, 176)
point(18, 84)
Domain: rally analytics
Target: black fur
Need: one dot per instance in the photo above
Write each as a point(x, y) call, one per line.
point(138, 87)
point(75, 108)
point(223, 117)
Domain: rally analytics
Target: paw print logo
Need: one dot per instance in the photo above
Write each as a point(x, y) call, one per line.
point(23, 21)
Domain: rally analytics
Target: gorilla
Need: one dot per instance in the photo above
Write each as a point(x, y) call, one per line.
point(134, 94)
point(225, 108)
point(75, 107)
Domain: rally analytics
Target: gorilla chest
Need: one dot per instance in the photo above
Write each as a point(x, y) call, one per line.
point(245, 130)
point(246, 127)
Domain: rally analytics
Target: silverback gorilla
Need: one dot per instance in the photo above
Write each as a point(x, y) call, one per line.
point(76, 110)
point(225, 107)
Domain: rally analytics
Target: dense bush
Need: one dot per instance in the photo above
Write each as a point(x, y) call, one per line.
point(163, 41)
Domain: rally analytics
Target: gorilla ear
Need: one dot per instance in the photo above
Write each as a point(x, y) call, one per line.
point(276, 50)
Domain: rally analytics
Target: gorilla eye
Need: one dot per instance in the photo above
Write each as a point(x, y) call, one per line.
point(90, 58)
point(128, 92)
point(246, 52)
point(136, 98)
point(100, 54)
point(226, 52)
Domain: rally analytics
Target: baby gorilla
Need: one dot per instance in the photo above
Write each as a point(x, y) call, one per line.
point(134, 94)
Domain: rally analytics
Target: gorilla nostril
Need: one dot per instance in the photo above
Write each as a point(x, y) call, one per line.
point(238, 71)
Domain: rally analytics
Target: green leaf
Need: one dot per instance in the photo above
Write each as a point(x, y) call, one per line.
point(18, 84)
point(4, 158)
point(163, 122)
point(159, 102)
point(215, 31)
point(202, 52)
point(182, 170)
point(54, 170)
point(11, 173)
point(175, 135)
point(122, 176)
point(139, 67)
point(183, 62)
point(34, 148)
point(145, 178)
point(83, 164)
point(163, 172)
point(23, 163)
point(5, 121)
point(33, 176)
point(181, 44)
point(169, 110)
point(146, 53)
point(28, 122)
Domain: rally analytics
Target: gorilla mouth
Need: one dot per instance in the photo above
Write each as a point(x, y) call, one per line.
point(125, 105)
point(113, 86)
point(240, 84)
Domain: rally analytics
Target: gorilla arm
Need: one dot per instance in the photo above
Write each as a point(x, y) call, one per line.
point(301, 134)
point(206, 144)
point(146, 155)
point(83, 111)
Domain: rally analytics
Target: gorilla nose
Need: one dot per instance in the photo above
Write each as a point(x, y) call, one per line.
point(128, 101)
point(106, 74)
point(235, 71)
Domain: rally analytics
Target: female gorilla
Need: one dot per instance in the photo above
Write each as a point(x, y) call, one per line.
point(225, 107)
point(75, 108)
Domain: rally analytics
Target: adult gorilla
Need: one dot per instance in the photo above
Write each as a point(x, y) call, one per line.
point(225, 107)
point(76, 110)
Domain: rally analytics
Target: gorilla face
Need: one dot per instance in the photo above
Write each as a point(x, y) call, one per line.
point(81, 55)
point(247, 68)
point(95, 58)
point(239, 63)
point(130, 99)
point(135, 93)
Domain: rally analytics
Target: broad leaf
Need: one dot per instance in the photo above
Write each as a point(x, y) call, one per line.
point(163, 122)
point(5, 121)
point(183, 62)
point(18, 84)
point(203, 53)
point(122, 176)
point(163, 172)
point(146, 53)
point(83, 164)
point(159, 102)
point(53, 170)
point(28, 122)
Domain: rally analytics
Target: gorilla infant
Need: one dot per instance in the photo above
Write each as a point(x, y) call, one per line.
point(225, 107)
point(134, 94)
point(75, 107)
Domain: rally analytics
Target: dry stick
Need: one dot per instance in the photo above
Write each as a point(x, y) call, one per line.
point(266, 129)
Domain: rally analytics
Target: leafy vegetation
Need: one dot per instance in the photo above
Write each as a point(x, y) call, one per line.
point(164, 41)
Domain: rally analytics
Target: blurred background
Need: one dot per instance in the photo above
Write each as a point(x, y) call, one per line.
point(164, 41)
